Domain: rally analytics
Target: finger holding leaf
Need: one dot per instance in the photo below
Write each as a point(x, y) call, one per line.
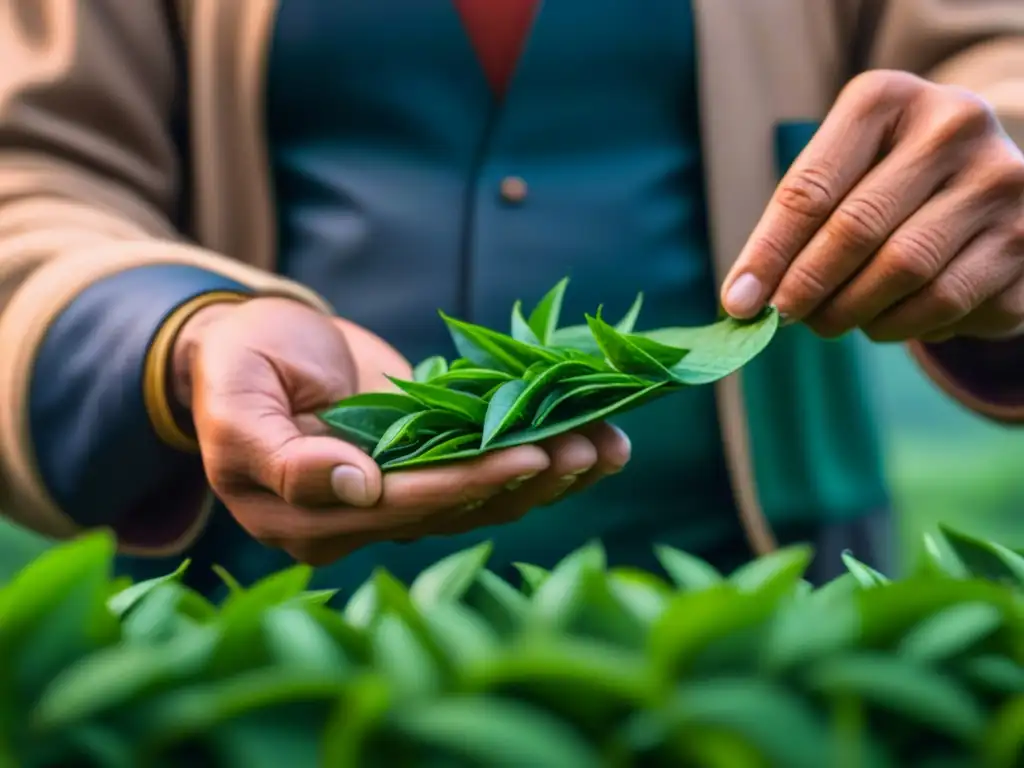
point(903, 217)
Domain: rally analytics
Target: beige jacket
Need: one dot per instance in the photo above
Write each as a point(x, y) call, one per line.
point(89, 175)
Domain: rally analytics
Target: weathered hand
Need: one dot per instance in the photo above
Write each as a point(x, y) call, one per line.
point(255, 373)
point(904, 217)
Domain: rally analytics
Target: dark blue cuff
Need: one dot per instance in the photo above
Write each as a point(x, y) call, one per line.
point(95, 447)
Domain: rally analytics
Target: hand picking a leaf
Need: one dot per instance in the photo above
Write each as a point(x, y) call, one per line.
point(540, 382)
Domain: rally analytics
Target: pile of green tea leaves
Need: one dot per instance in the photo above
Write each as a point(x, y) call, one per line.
point(539, 381)
point(580, 666)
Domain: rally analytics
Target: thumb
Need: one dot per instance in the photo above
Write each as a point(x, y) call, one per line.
point(320, 471)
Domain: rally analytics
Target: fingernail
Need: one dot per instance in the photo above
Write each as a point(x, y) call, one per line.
point(744, 296)
point(785, 320)
point(515, 484)
point(349, 485)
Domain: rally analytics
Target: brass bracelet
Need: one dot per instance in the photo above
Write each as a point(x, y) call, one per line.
point(154, 377)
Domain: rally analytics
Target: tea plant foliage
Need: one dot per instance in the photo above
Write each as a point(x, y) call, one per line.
point(583, 665)
point(538, 381)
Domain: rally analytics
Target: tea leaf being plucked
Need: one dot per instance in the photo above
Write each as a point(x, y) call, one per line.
point(719, 349)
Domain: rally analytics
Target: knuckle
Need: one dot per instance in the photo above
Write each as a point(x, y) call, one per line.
point(950, 297)
point(1002, 179)
point(862, 221)
point(956, 115)
point(915, 256)
point(803, 284)
point(808, 193)
point(882, 89)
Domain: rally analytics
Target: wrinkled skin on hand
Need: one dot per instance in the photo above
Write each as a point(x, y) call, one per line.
point(903, 217)
point(253, 374)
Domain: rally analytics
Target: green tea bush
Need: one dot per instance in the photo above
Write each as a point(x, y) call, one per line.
point(582, 666)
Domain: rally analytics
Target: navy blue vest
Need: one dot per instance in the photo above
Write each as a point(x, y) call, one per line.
point(389, 152)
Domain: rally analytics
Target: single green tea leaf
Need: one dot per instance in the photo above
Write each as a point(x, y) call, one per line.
point(521, 330)
point(490, 349)
point(629, 356)
point(411, 429)
point(986, 559)
point(628, 323)
point(719, 349)
point(501, 414)
point(514, 401)
point(362, 419)
point(533, 576)
point(476, 381)
point(448, 579)
point(951, 632)
point(430, 368)
point(116, 675)
point(123, 601)
point(297, 640)
point(464, 636)
point(227, 579)
point(545, 316)
point(362, 608)
point(865, 575)
point(449, 446)
point(686, 571)
point(919, 694)
point(557, 427)
point(775, 573)
point(471, 407)
point(580, 395)
point(783, 729)
point(498, 602)
point(580, 339)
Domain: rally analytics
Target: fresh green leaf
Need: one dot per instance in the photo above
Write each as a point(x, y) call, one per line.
point(448, 579)
point(126, 599)
point(985, 559)
point(363, 418)
point(688, 572)
point(490, 349)
point(865, 575)
point(950, 632)
point(470, 407)
point(521, 330)
point(545, 316)
point(430, 368)
point(719, 349)
point(558, 427)
point(409, 430)
point(919, 694)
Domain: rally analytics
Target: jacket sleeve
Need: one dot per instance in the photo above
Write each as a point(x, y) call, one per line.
point(92, 268)
point(978, 45)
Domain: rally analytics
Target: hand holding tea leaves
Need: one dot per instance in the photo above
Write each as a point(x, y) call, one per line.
point(249, 372)
point(537, 383)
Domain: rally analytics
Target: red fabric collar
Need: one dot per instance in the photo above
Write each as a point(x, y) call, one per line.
point(498, 30)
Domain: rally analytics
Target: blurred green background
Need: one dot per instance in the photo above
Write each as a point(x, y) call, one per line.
point(944, 464)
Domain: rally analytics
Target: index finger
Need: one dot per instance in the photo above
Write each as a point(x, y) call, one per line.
point(842, 151)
